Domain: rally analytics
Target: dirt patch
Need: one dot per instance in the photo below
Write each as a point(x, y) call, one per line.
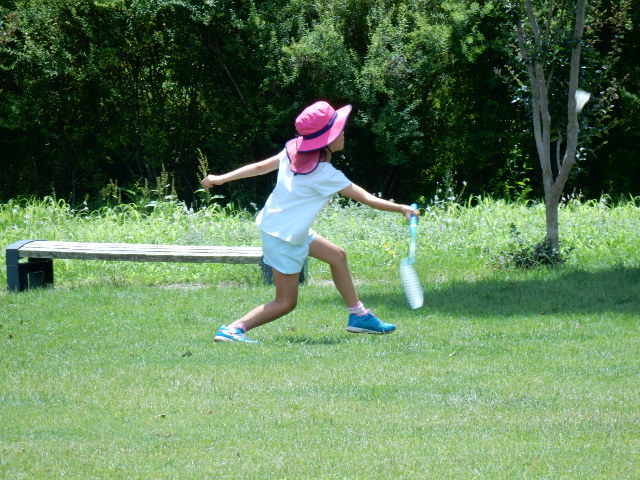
point(184, 286)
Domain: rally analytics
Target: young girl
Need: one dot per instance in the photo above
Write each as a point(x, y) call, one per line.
point(306, 182)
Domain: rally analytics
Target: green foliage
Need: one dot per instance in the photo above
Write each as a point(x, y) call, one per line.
point(617, 152)
point(516, 175)
point(113, 91)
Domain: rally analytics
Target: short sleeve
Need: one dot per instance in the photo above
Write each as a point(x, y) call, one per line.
point(332, 181)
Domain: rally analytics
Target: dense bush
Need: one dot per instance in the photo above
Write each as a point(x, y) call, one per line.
point(94, 91)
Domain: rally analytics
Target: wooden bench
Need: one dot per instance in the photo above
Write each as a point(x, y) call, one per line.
point(37, 271)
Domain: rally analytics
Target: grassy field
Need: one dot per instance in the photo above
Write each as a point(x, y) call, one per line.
point(504, 374)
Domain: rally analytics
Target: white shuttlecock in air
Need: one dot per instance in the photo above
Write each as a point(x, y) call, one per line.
point(582, 98)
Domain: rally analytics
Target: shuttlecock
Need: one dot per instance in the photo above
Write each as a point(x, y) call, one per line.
point(582, 98)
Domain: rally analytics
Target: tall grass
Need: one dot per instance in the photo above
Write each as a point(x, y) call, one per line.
point(456, 239)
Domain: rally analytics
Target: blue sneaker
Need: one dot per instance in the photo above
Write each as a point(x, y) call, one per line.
point(228, 334)
point(368, 323)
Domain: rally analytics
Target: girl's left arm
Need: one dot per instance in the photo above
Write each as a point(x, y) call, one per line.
point(359, 194)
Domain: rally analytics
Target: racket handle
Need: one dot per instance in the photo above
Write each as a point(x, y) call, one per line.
point(413, 233)
point(413, 220)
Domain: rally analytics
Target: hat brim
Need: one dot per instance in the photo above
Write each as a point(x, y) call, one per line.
point(301, 162)
point(305, 146)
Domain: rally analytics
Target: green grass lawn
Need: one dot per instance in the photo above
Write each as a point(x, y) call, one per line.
point(503, 374)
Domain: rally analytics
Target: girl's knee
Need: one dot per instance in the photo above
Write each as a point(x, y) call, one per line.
point(339, 255)
point(290, 307)
point(286, 305)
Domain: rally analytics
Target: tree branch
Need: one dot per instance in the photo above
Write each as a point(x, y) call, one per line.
point(572, 115)
point(550, 77)
point(226, 70)
point(534, 22)
point(545, 116)
point(558, 149)
point(535, 104)
point(539, 104)
point(552, 8)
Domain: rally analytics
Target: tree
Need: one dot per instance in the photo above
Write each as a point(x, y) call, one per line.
point(123, 90)
point(540, 49)
point(550, 44)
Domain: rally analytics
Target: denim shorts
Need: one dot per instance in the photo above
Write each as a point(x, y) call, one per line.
point(283, 256)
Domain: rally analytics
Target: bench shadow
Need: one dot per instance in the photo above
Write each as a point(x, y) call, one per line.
point(615, 290)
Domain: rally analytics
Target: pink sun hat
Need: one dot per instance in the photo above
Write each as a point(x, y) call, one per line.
point(301, 163)
point(318, 125)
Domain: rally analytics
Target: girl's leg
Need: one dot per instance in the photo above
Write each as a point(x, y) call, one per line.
point(336, 257)
point(285, 301)
point(360, 320)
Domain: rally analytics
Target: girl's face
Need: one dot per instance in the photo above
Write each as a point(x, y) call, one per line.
point(338, 143)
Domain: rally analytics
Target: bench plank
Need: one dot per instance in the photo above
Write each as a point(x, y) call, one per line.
point(37, 271)
point(140, 252)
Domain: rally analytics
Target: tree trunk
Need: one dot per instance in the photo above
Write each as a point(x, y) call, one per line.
point(551, 209)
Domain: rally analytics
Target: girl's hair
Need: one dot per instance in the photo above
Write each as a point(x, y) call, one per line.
point(324, 153)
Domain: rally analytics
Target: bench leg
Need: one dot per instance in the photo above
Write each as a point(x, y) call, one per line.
point(267, 273)
point(15, 279)
point(305, 272)
point(34, 273)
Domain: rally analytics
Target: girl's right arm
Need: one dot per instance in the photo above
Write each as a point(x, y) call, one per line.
point(359, 194)
point(251, 170)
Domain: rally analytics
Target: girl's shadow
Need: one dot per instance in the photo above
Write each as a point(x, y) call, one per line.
point(311, 340)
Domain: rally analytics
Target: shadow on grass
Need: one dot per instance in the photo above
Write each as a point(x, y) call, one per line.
point(614, 290)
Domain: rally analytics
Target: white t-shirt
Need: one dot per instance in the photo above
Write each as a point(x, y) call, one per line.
point(297, 199)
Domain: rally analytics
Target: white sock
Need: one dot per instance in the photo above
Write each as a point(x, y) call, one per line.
point(238, 324)
point(358, 309)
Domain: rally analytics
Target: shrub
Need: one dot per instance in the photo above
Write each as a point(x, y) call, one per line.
point(523, 256)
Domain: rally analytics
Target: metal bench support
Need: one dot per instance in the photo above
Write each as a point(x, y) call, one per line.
point(267, 273)
point(34, 273)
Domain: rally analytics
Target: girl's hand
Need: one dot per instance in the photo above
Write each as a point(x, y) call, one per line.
point(211, 180)
point(407, 211)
